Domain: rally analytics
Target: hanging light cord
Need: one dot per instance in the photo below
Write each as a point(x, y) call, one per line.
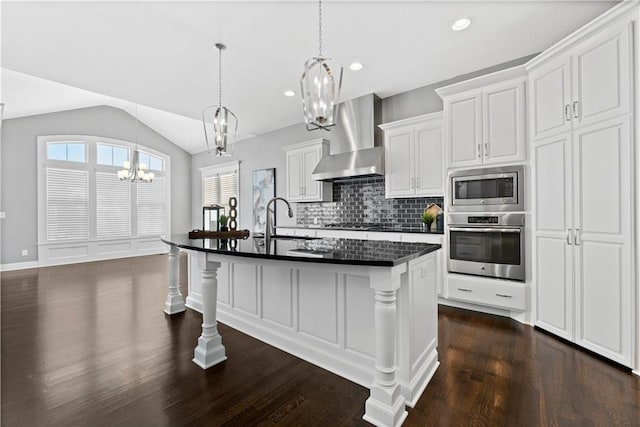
point(219, 77)
point(136, 129)
point(320, 27)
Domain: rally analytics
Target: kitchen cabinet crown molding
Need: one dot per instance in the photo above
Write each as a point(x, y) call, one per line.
point(422, 119)
point(478, 83)
point(305, 144)
point(620, 12)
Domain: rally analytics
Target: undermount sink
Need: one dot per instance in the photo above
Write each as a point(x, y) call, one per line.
point(310, 253)
point(293, 237)
point(284, 237)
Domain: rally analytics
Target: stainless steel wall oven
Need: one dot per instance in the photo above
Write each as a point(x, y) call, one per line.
point(487, 244)
point(488, 189)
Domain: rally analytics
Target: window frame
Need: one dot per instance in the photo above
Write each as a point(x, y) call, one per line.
point(92, 167)
point(216, 170)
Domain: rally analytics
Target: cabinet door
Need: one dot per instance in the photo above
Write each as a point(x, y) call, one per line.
point(553, 256)
point(601, 77)
point(429, 162)
point(603, 203)
point(550, 99)
point(399, 173)
point(294, 176)
point(312, 188)
point(503, 123)
point(464, 130)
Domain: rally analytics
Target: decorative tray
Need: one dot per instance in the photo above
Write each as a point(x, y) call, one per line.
point(200, 234)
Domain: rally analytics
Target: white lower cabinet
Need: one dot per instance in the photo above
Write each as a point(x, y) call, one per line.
point(502, 294)
point(437, 239)
point(583, 237)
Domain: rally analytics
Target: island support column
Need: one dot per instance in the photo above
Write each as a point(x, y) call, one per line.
point(209, 350)
point(385, 405)
point(174, 303)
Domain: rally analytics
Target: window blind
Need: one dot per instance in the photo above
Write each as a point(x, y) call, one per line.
point(152, 207)
point(218, 189)
point(113, 206)
point(67, 204)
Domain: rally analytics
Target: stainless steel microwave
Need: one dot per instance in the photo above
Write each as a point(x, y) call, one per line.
point(489, 189)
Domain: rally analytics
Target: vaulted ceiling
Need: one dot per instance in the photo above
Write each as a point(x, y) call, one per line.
point(61, 55)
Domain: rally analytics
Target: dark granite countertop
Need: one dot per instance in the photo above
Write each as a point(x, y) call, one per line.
point(385, 229)
point(331, 251)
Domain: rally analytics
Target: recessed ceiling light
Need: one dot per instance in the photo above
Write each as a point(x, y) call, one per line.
point(289, 93)
point(461, 24)
point(356, 66)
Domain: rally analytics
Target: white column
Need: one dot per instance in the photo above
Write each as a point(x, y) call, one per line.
point(386, 404)
point(209, 350)
point(174, 303)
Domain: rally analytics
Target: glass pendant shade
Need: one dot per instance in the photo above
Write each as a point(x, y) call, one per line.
point(320, 86)
point(220, 126)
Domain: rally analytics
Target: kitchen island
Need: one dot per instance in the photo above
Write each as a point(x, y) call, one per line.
point(365, 310)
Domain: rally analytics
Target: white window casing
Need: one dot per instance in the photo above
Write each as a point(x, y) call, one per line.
point(85, 213)
point(219, 183)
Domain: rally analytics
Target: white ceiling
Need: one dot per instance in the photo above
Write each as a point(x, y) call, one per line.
point(62, 55)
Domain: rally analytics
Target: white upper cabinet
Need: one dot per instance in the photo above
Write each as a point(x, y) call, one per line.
point(484, 119)
point(581, 85)
point(414, 157)
point(301, 160)
point(503, 123)
point(464, 125)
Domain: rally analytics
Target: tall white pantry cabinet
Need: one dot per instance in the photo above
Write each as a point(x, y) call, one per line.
point(581, 118)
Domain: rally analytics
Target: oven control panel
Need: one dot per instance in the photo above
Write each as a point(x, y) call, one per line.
point(482, 220)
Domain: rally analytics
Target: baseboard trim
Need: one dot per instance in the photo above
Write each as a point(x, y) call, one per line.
point(19, 266)
point(515, 315)
point(36, 264)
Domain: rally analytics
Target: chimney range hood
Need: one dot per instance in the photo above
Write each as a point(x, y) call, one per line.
point(356, 143)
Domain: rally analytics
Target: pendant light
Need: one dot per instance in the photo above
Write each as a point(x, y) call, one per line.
point(220, 124)
point(135, 171)
point(320, 86)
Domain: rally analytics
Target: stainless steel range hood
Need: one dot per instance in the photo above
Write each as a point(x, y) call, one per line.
point(356, 143)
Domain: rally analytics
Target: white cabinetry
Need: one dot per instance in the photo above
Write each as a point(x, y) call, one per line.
point(414, 157)
point(583, 256)
point(582, 138)
point(484, 119)
point(584, 85)
point(301, 160)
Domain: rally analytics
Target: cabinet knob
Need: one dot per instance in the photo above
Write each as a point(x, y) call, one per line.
point(567, 113)
point(486, 149)
point(479, 149)
point(575, 109)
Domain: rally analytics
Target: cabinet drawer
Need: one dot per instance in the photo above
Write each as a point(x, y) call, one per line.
point(496, 293)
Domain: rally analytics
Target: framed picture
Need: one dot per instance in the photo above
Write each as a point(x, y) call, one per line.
point(264, 189)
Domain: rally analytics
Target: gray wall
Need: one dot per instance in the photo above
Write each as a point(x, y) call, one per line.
point(265, 151)
point(425, 100)
point(260, 152)
point(19, 173)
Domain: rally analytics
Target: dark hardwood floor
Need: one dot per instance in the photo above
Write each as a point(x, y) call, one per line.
point(89, 345)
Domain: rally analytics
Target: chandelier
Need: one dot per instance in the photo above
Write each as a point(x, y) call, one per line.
point(135, 170)
point(320, 86)
point(220, 124)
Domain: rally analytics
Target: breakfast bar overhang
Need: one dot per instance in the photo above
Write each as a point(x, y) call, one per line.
point(365, 310)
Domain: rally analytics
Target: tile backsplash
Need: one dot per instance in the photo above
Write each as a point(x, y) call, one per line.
point(361, 200)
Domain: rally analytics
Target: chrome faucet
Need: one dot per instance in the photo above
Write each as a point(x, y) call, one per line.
point(269, 229)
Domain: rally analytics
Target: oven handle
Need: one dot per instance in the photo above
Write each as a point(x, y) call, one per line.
point(487, 230)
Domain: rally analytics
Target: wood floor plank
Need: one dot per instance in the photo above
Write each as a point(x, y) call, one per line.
point(89, 345)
